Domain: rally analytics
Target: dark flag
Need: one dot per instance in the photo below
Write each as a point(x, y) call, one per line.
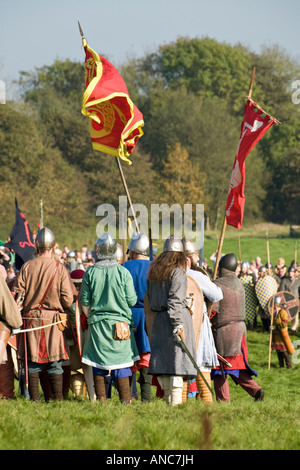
point(21, 240)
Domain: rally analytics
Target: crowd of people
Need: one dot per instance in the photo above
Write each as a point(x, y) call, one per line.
point(89, 321)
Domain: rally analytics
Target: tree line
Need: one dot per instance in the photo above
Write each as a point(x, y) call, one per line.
point(192, 94)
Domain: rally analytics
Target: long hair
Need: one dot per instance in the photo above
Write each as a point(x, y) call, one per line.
point(162, 267)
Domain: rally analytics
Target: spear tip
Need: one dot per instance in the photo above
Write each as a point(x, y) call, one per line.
point(80, 30)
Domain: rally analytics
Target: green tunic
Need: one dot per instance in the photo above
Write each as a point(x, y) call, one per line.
point(108, 289)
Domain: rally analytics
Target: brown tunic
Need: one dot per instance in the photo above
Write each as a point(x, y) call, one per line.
point(9, 312)
point(47, 344)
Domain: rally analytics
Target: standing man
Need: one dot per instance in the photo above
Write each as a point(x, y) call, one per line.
point(46, 287)
point(281, 342)
point(167, 292)
point(10, 322)
point(228, 323)
point(106, 295)
point(291, 284)
point(138, 266)
point(206, 350)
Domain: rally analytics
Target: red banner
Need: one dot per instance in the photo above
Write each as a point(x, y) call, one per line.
point(115, 122)
point(254, 126)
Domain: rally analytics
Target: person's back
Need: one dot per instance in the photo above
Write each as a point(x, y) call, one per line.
point(47, 290)
point(34, 279)
point(107, 293)
point(138, 268)
point(106, 288)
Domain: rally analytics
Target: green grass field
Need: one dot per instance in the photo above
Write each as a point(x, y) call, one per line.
point(274, 424)
point(242, 424)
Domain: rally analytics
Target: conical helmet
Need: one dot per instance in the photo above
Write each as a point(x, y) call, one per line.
point(119, 253)
point(189, 247)
point(45, 239)
point(173, 243)
point(105, 247)
point(139, 244)
point(277, 300)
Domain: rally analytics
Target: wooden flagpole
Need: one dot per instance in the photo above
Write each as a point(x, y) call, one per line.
point(120, 169)
point(224, 221)
point(271, 329)
point(127, 193)
point(239, 246)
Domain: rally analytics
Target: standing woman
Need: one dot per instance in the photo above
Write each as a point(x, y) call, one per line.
point(106, 295)
point(167, 290)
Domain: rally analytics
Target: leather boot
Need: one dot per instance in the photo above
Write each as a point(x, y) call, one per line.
point(66, 381)
point(56, 381)
point(287, 359)
point(123, 388)
point(164, 382)
point(99, 383)
point(45, 384)
point(33, 387)
point(146, 384)
point(280, 356)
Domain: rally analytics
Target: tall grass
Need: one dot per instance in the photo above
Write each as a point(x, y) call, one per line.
point(242, 424)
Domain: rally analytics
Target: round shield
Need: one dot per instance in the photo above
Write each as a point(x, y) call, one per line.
point(251, 301)
point(264, 289)
point(195, 298)
point(290, 303)
point(87, 370)
point(201, 270)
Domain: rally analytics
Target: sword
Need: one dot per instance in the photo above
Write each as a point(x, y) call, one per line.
point(194, 362)
point(222, 359)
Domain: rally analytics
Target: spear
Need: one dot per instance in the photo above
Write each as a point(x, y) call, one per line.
point(271, 332)
point(150, 245)
point(120, 167)
point(41, 215)
point(268, 252)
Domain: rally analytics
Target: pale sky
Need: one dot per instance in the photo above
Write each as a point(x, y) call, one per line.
point(35, 33)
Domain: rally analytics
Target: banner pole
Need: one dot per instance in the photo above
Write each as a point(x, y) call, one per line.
point(251, 83)
point(127, 193)
point(220, 248)
point(224, 221)
point(119, 166)
point(239, 245)
point(271, 330)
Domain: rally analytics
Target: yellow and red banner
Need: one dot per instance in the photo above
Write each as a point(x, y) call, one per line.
point(255, 124)
point(115, 122)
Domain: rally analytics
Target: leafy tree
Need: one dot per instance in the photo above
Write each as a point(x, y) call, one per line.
point(192, 94)
point(32, 171)
point(182, 181)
